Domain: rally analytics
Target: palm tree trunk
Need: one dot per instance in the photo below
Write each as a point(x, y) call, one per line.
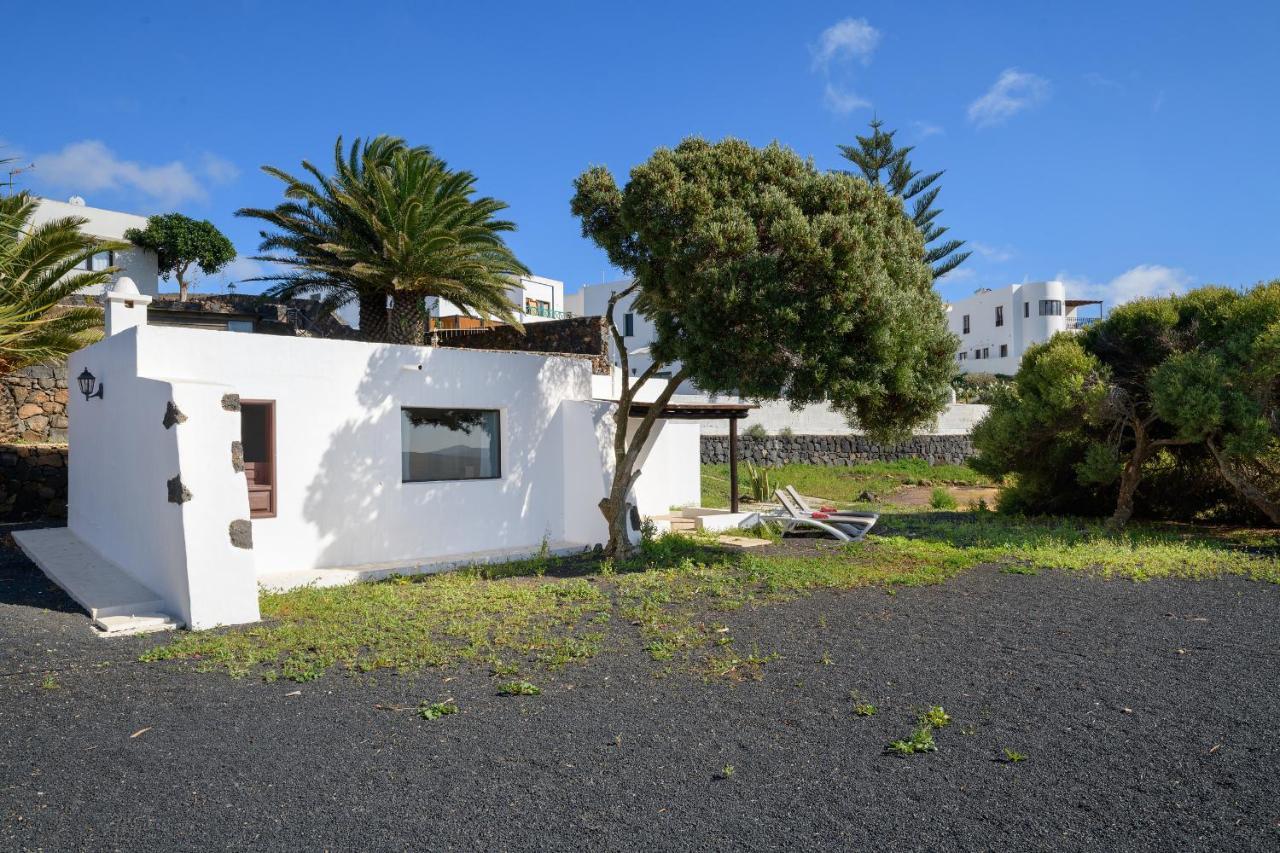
point(408, 319)
point(373, 316)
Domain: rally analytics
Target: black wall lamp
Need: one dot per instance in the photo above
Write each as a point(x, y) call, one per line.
point(87, 381)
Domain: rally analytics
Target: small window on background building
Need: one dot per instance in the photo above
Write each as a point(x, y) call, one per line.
point(1026, 309)
point(977, 353)
point(449, 444)
point(1050, 307)
point(986, 352)
point(98, 262)
point(960, 356)
point(999, 315)
point(966, 324)
point(1004, 350)
point(628, 325)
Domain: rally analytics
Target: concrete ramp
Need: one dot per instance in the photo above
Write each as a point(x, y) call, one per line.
point(117, 603)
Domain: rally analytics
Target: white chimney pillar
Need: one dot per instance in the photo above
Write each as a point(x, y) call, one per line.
point(126, 307)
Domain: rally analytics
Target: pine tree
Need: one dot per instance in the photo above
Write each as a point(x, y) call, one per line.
point(880, 162)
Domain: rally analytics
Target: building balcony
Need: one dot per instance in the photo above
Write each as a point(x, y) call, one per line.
point(546, 313)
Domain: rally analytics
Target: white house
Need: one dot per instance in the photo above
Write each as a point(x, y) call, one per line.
point(638, 333)
point(205, 464)
point(136, 263)
point(996, 327)
point(536, 298)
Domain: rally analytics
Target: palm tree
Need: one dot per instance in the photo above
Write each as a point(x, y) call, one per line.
point(313, 222)
point(392, 223)
point(41, 266)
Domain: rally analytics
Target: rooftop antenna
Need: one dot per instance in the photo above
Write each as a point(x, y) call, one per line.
point(17, 171)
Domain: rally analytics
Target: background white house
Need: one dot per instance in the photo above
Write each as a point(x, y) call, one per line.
point(135, 262)
point(997, 326)
point(535, 297)
point(638, 333)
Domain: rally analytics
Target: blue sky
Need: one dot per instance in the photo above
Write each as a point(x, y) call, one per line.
point(1129, 148)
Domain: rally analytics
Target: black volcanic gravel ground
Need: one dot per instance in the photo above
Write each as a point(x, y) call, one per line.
point(1149, 714)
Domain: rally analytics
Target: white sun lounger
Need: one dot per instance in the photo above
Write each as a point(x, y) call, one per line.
point(791, 518)
point(868, 519)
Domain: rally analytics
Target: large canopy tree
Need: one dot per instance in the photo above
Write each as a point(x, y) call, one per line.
point(40, 267)
point(767, 278)
point(880, 161)
point(392, 223)
point(1159, 388)
point(181, 242)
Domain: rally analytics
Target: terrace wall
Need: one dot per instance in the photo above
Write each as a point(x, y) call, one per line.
point(835, 450)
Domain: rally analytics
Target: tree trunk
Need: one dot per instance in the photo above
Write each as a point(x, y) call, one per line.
point(373, 316)
point(1242, 484)
point(626, 450)
point(408, 319)
point(182, 289)
point(1130, 477)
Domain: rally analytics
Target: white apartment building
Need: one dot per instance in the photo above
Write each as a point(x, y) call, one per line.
point(135, 262)
point(536, 298)
point(997, 326)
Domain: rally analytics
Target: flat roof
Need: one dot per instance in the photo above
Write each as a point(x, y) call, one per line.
point(696, 411)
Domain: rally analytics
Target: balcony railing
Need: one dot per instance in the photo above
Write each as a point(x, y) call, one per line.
point(548, 313)
point(1076, 323)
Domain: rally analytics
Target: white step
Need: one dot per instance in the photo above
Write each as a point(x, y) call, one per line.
point(93, 582)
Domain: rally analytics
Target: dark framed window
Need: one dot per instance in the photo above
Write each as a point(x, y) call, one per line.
point(1004, 350)
point(986, 352)
point(999, 315)
point(98, 262)
point(966, 324)
point(977, 353)
point(1026, 309)
point(450, 444)
point(1050, 307)
point(628, 325)
point(961, 356)
point(258, 442)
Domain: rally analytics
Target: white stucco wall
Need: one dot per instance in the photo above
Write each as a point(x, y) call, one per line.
point(122, 458)
point(136, 263)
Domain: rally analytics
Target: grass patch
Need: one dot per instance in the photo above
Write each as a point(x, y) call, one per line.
point(675, 597)
point(842, 485)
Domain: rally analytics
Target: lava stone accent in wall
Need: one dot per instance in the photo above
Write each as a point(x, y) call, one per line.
point(585, 336)
point(836, 450)
point(231, 402)
point(33, 481)
point(241, 531)
point(237, 457)
point(178, 493)
point(33, 404)
point(173, 415)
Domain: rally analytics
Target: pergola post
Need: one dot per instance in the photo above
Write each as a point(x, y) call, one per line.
point(733, 464)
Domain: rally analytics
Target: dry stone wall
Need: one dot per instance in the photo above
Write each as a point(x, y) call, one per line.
point(33, 404)
point(836, 450)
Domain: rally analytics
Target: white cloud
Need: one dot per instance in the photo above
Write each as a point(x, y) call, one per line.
point(959, 274)
point(1141, 281)
point(1013, 92)
point(852, 38)
point(89, 166)
point(841, 102)
point(996, 254)
point(924, 129)
point(218, 169)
